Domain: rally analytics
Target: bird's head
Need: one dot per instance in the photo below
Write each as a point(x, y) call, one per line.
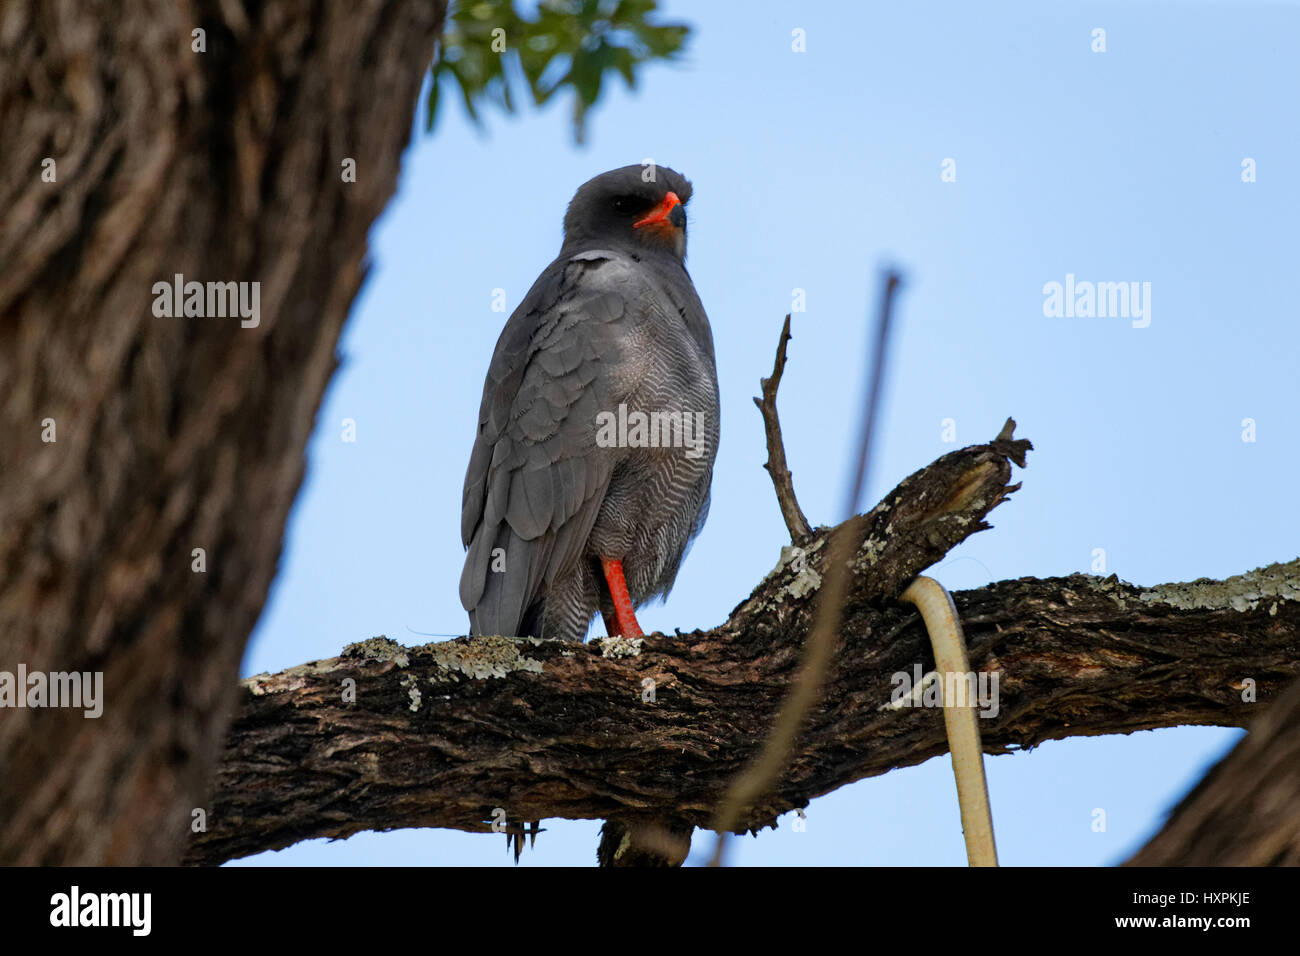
point(643, 205)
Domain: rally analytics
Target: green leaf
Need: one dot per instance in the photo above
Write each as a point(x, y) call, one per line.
point(567, 45)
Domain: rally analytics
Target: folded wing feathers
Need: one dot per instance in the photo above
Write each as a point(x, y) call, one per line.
point(535, 479)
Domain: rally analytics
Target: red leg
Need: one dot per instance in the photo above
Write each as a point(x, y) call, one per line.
point(611, 624)
point(624, 614)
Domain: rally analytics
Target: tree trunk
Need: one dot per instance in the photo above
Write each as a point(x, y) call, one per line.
point(1246, 812)
point(132, 439)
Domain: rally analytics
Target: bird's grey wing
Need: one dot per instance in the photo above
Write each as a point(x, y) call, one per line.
point(536, 477)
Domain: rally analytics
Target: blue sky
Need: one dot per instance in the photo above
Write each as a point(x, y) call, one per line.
point(811, 170)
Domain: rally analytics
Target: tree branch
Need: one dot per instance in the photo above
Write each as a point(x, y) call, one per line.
point(441, 735)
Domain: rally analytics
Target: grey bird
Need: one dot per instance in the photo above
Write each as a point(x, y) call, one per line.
point(598, 429)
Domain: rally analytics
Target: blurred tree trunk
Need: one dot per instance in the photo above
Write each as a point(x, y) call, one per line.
point(169, 434)
point(1246, 811)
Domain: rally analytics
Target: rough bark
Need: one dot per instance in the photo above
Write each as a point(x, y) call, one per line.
point(443, 735)
point(549, 730)
point(171, 433)
point(1246, 812)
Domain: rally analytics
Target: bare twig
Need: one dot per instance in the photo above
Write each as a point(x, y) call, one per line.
point(817, 652)
point(776, 466)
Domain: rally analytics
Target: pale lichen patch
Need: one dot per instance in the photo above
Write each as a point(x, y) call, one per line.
point(1108, 586)
point(616, 646)
point(378, 649)
point(806, 579)
point(412, 691)
point(1241, 592)
point(789, 553)
point(804, 583)
point(482, 657)
point(292, 678)
point(869, 553)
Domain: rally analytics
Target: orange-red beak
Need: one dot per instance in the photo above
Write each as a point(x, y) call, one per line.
point(670, 211)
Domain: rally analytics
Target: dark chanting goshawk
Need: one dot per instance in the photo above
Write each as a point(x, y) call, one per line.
point(598, 428)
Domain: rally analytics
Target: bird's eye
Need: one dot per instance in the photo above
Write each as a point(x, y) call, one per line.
point(623, 203)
